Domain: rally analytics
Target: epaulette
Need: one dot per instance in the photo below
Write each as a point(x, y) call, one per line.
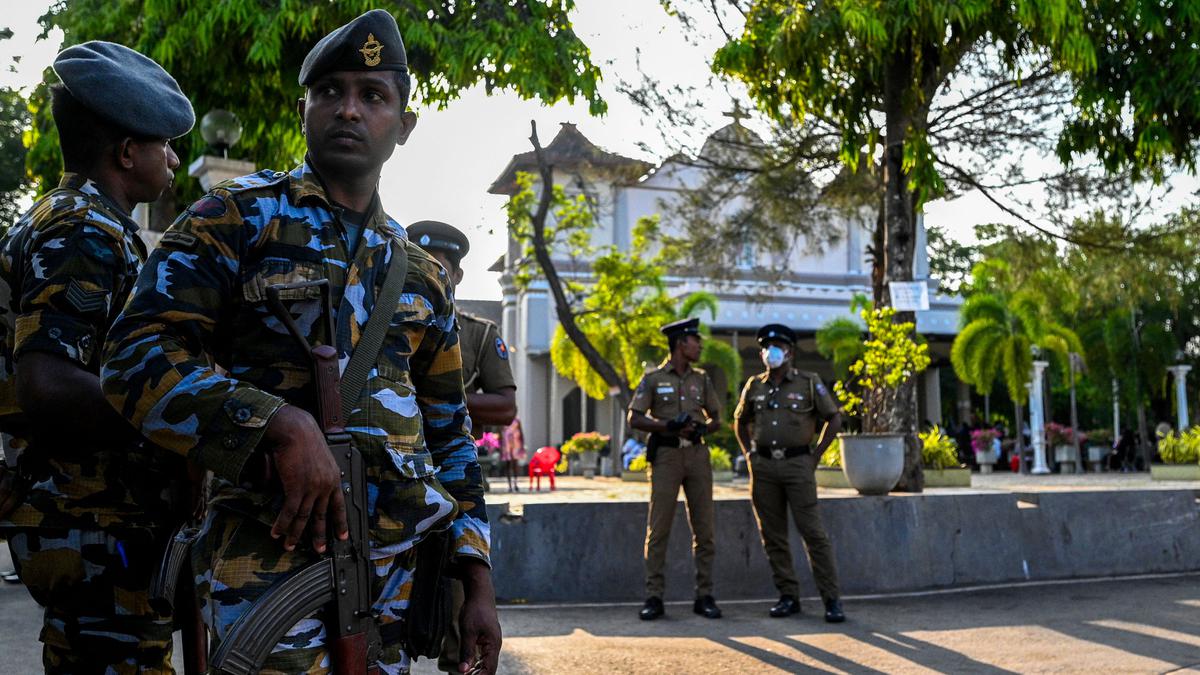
point(254, 181)
point(467, 316)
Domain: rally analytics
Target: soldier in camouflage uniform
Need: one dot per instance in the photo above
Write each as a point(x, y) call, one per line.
point(487, 377)
point(200, 302)
point(83, 503)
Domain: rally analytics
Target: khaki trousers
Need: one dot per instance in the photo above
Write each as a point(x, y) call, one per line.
point(780, 485)
point(688, 468)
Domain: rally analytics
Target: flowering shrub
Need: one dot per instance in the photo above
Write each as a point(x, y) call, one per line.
point(981, 439)
point(639, 464)
point(490, 442)
point(587, 441)
point(832, 457)
point(890, 358)
point(1061, 434)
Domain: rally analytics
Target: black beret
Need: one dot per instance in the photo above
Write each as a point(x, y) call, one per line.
point(433, 235)
point(125, 88)
point(682, 327)
point(776, 332)
point(370, 42)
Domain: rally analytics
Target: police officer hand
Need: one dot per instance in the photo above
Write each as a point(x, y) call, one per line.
point(681, 420)
point(479, 652)
point(312, 484)
point(12, 490)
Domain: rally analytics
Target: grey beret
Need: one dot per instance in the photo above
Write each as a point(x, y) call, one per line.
point(125, 88)
point(370, 42)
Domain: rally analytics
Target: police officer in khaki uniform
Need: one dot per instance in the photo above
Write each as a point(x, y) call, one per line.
point(678, 404)
point(487, 378)
point(778, 423)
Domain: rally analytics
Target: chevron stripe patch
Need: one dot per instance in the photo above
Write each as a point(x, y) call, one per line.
point(87, 302)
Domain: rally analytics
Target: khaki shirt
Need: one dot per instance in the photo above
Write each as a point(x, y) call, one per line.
point(486, 366)
point(785, 416)
point(663, 394)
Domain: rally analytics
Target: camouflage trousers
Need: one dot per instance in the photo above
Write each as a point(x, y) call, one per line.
point(241, 561)
point(93, 585)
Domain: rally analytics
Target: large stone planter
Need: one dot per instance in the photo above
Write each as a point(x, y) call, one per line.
point(986, 459)
point(1175, 471)
point(872, 462)
point(1096, 454)
point(1066, 456)
point(948, 477)
point(832, 477)
point(635, 476)
point(584, 463)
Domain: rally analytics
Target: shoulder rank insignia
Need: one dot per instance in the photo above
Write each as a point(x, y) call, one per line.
point(87, 302)
point(370, 51)
point(180, 239)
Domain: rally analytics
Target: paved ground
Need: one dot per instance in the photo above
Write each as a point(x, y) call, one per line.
point(579, 489)
point(1149, 625)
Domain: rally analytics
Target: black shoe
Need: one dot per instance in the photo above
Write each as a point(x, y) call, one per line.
point(707, 606)
point(833, 611)
point(787, 605)
point(652, 609)
point(10, 577)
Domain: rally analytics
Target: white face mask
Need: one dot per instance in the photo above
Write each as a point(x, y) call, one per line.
point(773, 356)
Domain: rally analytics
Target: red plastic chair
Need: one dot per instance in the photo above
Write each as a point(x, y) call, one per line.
point(542, 464)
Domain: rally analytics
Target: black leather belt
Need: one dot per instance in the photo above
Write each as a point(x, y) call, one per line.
point(784, 453)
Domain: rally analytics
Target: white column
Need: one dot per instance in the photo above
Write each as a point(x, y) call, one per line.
point(1037, 419)
point(1181, 403)
point(1116, 391)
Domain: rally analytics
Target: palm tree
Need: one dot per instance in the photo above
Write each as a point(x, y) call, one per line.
point(841, 340)
point(716, 352)
point(998, 333)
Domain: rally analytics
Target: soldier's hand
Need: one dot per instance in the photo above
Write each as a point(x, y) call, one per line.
point(12, 490)
point(479, 650)
point(312, 485)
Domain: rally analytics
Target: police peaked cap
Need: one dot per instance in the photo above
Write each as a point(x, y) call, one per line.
point(370, 42)
point(681, 328)
point(433, 235)
point(776, 332)
point(126, 88)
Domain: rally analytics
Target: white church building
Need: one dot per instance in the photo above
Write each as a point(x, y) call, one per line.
point(818, 286)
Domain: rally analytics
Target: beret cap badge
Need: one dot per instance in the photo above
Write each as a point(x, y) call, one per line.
point(370, 50)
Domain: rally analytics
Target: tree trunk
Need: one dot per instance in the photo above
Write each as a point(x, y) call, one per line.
point(1139, 406)
point(562, 306)
point(893, 260)
point(1019, 444)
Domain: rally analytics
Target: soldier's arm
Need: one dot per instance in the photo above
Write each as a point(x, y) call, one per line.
point(74, 271)
point(437, 376)
point(712, 405)
point(157, 371)
point(743, 418)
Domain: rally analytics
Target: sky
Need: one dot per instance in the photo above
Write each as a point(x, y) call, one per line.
point(444, 170)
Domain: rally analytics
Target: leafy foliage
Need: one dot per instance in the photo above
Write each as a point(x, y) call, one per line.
point(841, 340)
point(638, 464)
point(890, 358)
point(14, 124)
point(832, 456)
point(585, 441)
point(719, 459)
point(1180, 448)
point(245, 56)
point(938, 451)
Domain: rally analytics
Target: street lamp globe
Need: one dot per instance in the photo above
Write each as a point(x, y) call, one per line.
point(221, 129)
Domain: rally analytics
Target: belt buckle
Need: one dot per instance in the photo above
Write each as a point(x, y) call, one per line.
point(778, 453)
point(685, 443)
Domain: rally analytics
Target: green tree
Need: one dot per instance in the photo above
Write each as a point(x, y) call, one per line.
point(841, 340)
point(14, 123)
point(245, 56)
point(1000, 325)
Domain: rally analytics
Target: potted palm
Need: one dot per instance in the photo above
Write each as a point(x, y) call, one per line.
point(873, 461)
point(1180, 453)
point(584, 450)
point(939, 456)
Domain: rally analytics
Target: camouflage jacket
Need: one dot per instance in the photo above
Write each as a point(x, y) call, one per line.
point(200, 302)
point(66, 268)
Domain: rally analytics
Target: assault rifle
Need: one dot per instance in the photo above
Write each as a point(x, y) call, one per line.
point(340, 581)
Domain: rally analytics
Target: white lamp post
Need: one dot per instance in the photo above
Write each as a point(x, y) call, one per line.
point(1036, 417)
point(221, 129)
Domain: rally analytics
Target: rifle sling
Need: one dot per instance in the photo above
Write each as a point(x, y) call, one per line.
point(366, 352)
